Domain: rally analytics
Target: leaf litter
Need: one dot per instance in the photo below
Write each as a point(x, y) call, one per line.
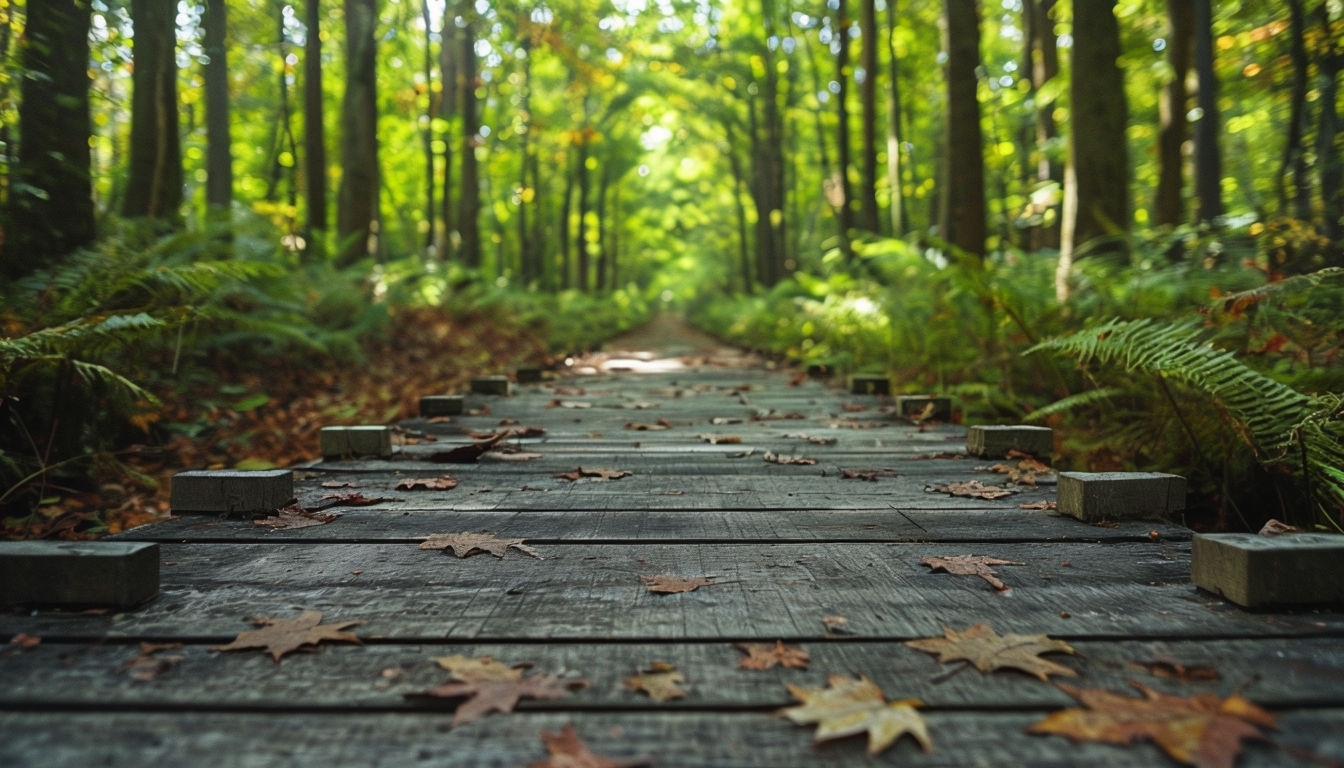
point(467, 544)
point(970, 565)
point(661, 681)
point(669, 585)
point(567, 750)
point(280, 637)
point(489, 686)
point(848, 706)
point(761, 656)
point(988, 651)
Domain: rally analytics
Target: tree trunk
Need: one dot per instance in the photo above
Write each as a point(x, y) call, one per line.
point(1172, 132)
point(1328, 159)
point(900, 222)
point(448, 103)
point(1042, 66)
point(962, 211)
point(357, 204)
point(869, 120)
point(1294, 163)
point(1208, 157)
point(469, 195)
point(841, 193)
point(1096, 179)
point(154, 187)
point(770, 190)
point(51, 210)
point(219, 143)
point(427, 132)
point(314, 131)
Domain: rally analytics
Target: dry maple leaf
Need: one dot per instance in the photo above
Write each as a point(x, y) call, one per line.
point(657, 426)
point(1203, 730)
point(1043, 504)
point(579, 473)
point(667, 585)
point(765, 656)
point(468, 544)
point(466, 669)
point(282, 636)
point(486, 696)
point(443, 483)
point(775, 458)
point(468, 454)
point(567, 750)
point(849, 706)
point(661, 681)
point(294, 516)
point(971, 489)
point(970, 565)
point(988, 650)
point(721, 439)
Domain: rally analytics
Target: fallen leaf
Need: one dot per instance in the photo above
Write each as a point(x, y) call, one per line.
point(294, 516)
point(970, 565)
point(721, 439)
point(486, 696)
point(661, 681)
point(973, 489)
point(836, 624)
point(765, 656)
point(466, 669)
point(813, 439)
point(469, 453)
point(441, 483)
point(348, 500)
point(25, 642)
point(468, 544)
point(1202, 730)
point(283, 636)
point(853, 407)
point(1177, 671)
point(511, 455)
point(567, 750)
point(558, 403)
point(656, 426)
point(775, 458)
point(725, 420)
point(849, 706)
point(338, 484)
point(667, 585)
point(146, 666)
point(773, 415)
point(870, 475)
point(1275, 527)
point(988, 650)
point(579, 473)
point(1042, 504)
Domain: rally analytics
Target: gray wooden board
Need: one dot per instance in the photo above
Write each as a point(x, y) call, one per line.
point(405, 523)
point(719, 460)
point(691, 739)
point(594, 591)
point(1287, 672)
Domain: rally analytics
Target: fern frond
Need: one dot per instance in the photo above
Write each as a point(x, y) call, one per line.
point(1078, 400)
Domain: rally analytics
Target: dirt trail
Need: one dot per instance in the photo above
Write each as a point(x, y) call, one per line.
point(666, 342)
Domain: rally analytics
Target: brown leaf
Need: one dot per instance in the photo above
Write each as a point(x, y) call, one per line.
point(765, 656)
point(661, 681)
point(870, 475)
point(480, 669)
point(283, 636)
point(567, 750)
point(146, 666)
point(853, 407)
point(348, 500)
point(1275, 527)
point(848, 706)
point(970, 565)
point(486, 696)
point(775, 458)
point(511, 455)
point(836, 624)
point(1042, 504)
point(721, 439)
point(973, 489)
point(467, 454)
point(1177, 671)
point(558, 403)
point(294, 516)
point(656, 426)
point(725, 420)
point(988, 651)
point(24, 641)
point(579, 473)
point(468, 544)
point(813, 439)
point(667, 585)
point(1203, 730)
point(441, 483)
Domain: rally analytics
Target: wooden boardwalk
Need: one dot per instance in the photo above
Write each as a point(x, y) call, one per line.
point(791, 549)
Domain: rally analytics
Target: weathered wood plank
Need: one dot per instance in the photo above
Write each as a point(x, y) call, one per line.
point(594, 591)
point(1290, 672)
point(684, 740)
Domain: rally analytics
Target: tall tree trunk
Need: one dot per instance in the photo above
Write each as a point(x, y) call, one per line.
point(427, 132)
point(1328, 159)
point(51, 211)
point(869, 119)
point(448, 105)
point(357, 204)
point(1042, 66)
point(154, 188)
point(583, 260)
point(219, 143)
point(770, 190)
point(1172, 132)
point(526, 193)
point(1294, 163)
point(469, 195)
point(1208, 157)
point(1096, 179)
point(842, 195)
point(900, 220)
point(962, 211)
point(314, 131)
point(739, 172)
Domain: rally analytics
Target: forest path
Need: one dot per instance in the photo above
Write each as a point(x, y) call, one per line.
point(708, 466)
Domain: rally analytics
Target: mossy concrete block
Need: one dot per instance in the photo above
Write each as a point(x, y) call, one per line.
point(347, 442)
point(230, 490)
point(923, 407)
point(441, 405)
point(1096, 496)
point(528, 375)
point(869, 384)
point(78, 573)
point(1270, 571)
point(492, 385)
point(995, 442)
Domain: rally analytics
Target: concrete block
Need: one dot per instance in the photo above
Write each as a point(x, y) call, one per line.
point(869, 384)
point(346, 442)
point(1095, 496)
point(994, 442)
point(528, 375)
point(924, 407)
point(78, 573)
point(1268, 571)
point(441, 405)
point(230, 490)
point(492, 385)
